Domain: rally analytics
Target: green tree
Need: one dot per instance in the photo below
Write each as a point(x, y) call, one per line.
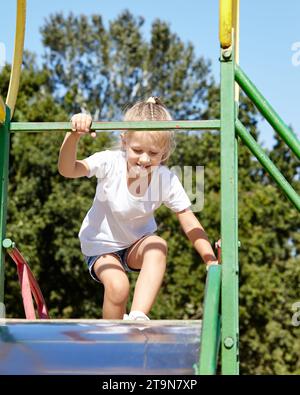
point(104, 70)
point(269, 232)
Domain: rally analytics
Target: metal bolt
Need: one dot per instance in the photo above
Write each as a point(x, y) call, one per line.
point(7, 243)
point(228, 342)
point(227, 53)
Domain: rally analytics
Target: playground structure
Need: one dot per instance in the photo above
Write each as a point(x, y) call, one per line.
point(165, 347)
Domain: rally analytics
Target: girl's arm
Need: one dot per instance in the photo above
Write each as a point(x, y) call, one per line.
point(68, 165)
point(196, 234)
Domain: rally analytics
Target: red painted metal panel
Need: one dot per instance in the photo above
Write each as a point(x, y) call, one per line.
point(29, 288)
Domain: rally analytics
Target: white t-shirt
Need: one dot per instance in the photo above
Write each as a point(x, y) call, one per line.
point(117, 219)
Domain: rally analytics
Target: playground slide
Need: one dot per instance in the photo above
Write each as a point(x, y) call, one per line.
point(44, 347)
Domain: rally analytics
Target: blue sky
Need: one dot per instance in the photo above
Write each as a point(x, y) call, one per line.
point(269, 39)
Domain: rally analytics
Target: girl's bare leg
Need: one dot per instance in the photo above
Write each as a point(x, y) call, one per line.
point(150, 256)
point(110, 272)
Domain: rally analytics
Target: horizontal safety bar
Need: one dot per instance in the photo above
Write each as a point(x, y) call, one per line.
point(106, 126)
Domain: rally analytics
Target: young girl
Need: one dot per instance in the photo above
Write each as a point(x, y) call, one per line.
point(118, 233)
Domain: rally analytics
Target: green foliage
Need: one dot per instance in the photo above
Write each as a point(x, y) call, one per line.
point(102, 70)
point(105, 70)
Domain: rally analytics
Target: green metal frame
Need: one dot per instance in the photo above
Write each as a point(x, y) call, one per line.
point(211, 323)
point(229, 219)
point(221, 280)
point(266, 162)
point(108, 126)
point(267, 111)
point(4, 164)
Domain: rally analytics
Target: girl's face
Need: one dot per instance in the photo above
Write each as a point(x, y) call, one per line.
point(141, 153)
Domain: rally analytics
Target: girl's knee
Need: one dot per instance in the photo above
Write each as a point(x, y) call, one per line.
point(117, 289)
point(156, 243)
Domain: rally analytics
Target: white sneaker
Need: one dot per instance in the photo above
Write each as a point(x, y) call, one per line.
point(126, 317)
point(138, 316)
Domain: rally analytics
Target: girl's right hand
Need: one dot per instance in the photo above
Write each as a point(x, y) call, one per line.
point(81, 124)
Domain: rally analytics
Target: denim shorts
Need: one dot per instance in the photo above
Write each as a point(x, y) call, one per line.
point(121, 255)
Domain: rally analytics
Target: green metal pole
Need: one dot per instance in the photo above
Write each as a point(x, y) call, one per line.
point(236, 239)
point(229, 213)
point(4, 158)
point(267, 111)
point(266, 162)
point(210, 332)
point(140, 125)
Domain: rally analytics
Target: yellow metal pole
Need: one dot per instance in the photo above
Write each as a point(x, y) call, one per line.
point(225, 23)
point(2, 111)
point(18, 56)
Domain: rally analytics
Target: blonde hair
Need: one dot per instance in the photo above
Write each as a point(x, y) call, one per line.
point(152, 109)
